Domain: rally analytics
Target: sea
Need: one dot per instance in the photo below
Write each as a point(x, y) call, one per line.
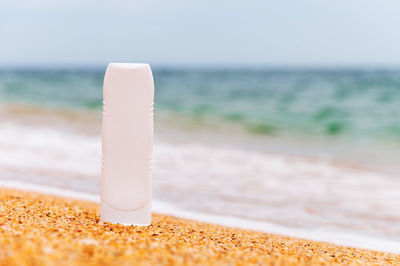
point(307, 149)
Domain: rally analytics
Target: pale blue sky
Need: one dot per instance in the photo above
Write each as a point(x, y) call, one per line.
point(180, 32)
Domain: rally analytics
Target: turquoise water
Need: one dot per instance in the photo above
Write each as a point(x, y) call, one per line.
point(315, 150)
point(333, 104)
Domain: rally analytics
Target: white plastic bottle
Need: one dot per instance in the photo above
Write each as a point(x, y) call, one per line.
point(127, 137)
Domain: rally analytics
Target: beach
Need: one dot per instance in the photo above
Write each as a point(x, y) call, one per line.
point(312, 195)
point(251, 132)
point(303, 178)
point(39, 229)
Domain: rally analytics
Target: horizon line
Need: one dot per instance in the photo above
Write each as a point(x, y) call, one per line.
point(202, 66)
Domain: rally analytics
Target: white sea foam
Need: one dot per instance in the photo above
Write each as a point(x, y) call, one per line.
point(267, 191)
point(47, 148)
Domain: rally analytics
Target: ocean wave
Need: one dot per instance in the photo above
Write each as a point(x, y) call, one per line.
point(352, 104)
point(294, 191)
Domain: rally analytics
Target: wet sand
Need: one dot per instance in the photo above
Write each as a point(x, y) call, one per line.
point(47, 230)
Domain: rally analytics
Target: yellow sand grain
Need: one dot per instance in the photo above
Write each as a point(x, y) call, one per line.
point(38, 229)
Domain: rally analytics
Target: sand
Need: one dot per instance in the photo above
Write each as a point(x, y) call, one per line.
point(38, 229)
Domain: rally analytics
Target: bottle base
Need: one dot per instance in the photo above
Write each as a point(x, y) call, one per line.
point(139, 217)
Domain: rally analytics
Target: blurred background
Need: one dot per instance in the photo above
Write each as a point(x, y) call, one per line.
point(286, 112)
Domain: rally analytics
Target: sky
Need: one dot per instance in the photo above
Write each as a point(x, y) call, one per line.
point(208, 32)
